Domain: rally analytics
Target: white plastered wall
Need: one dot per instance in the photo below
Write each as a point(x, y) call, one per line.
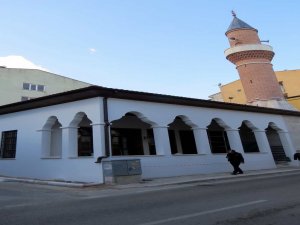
point(173, 165)
point(29, 161)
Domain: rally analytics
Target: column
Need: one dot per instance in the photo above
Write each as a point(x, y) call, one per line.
point(262, 141)
point(70, 142)
point(98, 139)
point(145, 142)
point(46, 143)
point(235, 140)
point(201, 139)
point(162, 142)
point(178, 142)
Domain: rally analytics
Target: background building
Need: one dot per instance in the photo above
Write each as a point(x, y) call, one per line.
point(25, 84)
point(289, 81)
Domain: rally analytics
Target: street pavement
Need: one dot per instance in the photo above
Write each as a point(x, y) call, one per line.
point(256, 197)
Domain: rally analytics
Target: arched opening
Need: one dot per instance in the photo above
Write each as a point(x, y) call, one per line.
point(217, 137)
point(85, 137)
point(52, 138)
point(181, 137)
point(275, 144)
point(132, 136)
point(248, 138)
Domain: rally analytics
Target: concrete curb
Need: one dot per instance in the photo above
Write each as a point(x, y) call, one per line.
point(157, 182)
point(46, 182)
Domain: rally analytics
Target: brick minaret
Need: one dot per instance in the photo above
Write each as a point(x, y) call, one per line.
point(253, 62)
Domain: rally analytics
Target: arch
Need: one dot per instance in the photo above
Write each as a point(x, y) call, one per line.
point(132, 134)
point(181, 136)
point(274, 126)
point(50, 122)
point(52, 138)
point(222, 123)
point(187, 121)
point(250, 125)
point(247, 136)
point(142, 117)
point(77, 119)
point(217, 136)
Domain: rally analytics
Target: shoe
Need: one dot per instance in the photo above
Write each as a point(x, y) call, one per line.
point(240, 172)
point(233, 173)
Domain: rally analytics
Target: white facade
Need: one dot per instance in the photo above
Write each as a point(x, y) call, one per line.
point(47, 138)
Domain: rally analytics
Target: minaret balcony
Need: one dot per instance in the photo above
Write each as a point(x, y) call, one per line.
point(242, 52)
point(251, 47)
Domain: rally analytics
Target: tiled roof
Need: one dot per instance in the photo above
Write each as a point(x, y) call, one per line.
point(238, 24)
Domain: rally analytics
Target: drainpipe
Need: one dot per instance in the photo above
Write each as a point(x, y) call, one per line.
point(106, 128)
point(106, 133)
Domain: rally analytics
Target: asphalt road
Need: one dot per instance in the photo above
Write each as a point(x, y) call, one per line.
point(267, 201)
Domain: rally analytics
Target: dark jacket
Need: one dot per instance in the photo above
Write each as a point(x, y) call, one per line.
point(235, 157)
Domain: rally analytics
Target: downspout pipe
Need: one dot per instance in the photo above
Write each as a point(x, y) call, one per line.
point(106, 128)
point(106, 132)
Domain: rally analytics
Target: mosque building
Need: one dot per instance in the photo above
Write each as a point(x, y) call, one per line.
point(99, 135)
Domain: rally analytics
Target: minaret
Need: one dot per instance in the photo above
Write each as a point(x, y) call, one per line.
point(253, 62)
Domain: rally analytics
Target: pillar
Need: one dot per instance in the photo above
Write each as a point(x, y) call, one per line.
point(201, 139)
point(235, 140)
point(46, 143)
point(70, 142)
point(162, 142)
point(98, 139)
point(262, 141)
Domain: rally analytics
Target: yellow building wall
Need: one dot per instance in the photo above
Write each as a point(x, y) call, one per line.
point(290, 82)
point(233, 92)
point(295, 102)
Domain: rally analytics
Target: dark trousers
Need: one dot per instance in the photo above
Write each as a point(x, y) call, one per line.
point(236, 168)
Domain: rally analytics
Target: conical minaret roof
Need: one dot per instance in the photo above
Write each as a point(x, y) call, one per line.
point(238, 24)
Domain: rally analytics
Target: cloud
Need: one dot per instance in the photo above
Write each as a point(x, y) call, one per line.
point(16, 61)
point(92, 50)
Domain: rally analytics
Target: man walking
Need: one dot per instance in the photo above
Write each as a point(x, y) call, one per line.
point(235, 159)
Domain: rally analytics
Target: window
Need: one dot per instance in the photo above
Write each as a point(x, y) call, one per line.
point(181, 137)
point(8, 144)
point(217, 137)
point(85, 141)
point(218, 141)
point(248, 138)
point(33, 87)
point(26, 86)
point(40, 87)
point(126, 141)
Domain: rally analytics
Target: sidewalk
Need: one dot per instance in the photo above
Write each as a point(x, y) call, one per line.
point(156, 182)
point(210, 177)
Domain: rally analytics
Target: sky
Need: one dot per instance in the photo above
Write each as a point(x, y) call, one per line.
point(173, 47)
